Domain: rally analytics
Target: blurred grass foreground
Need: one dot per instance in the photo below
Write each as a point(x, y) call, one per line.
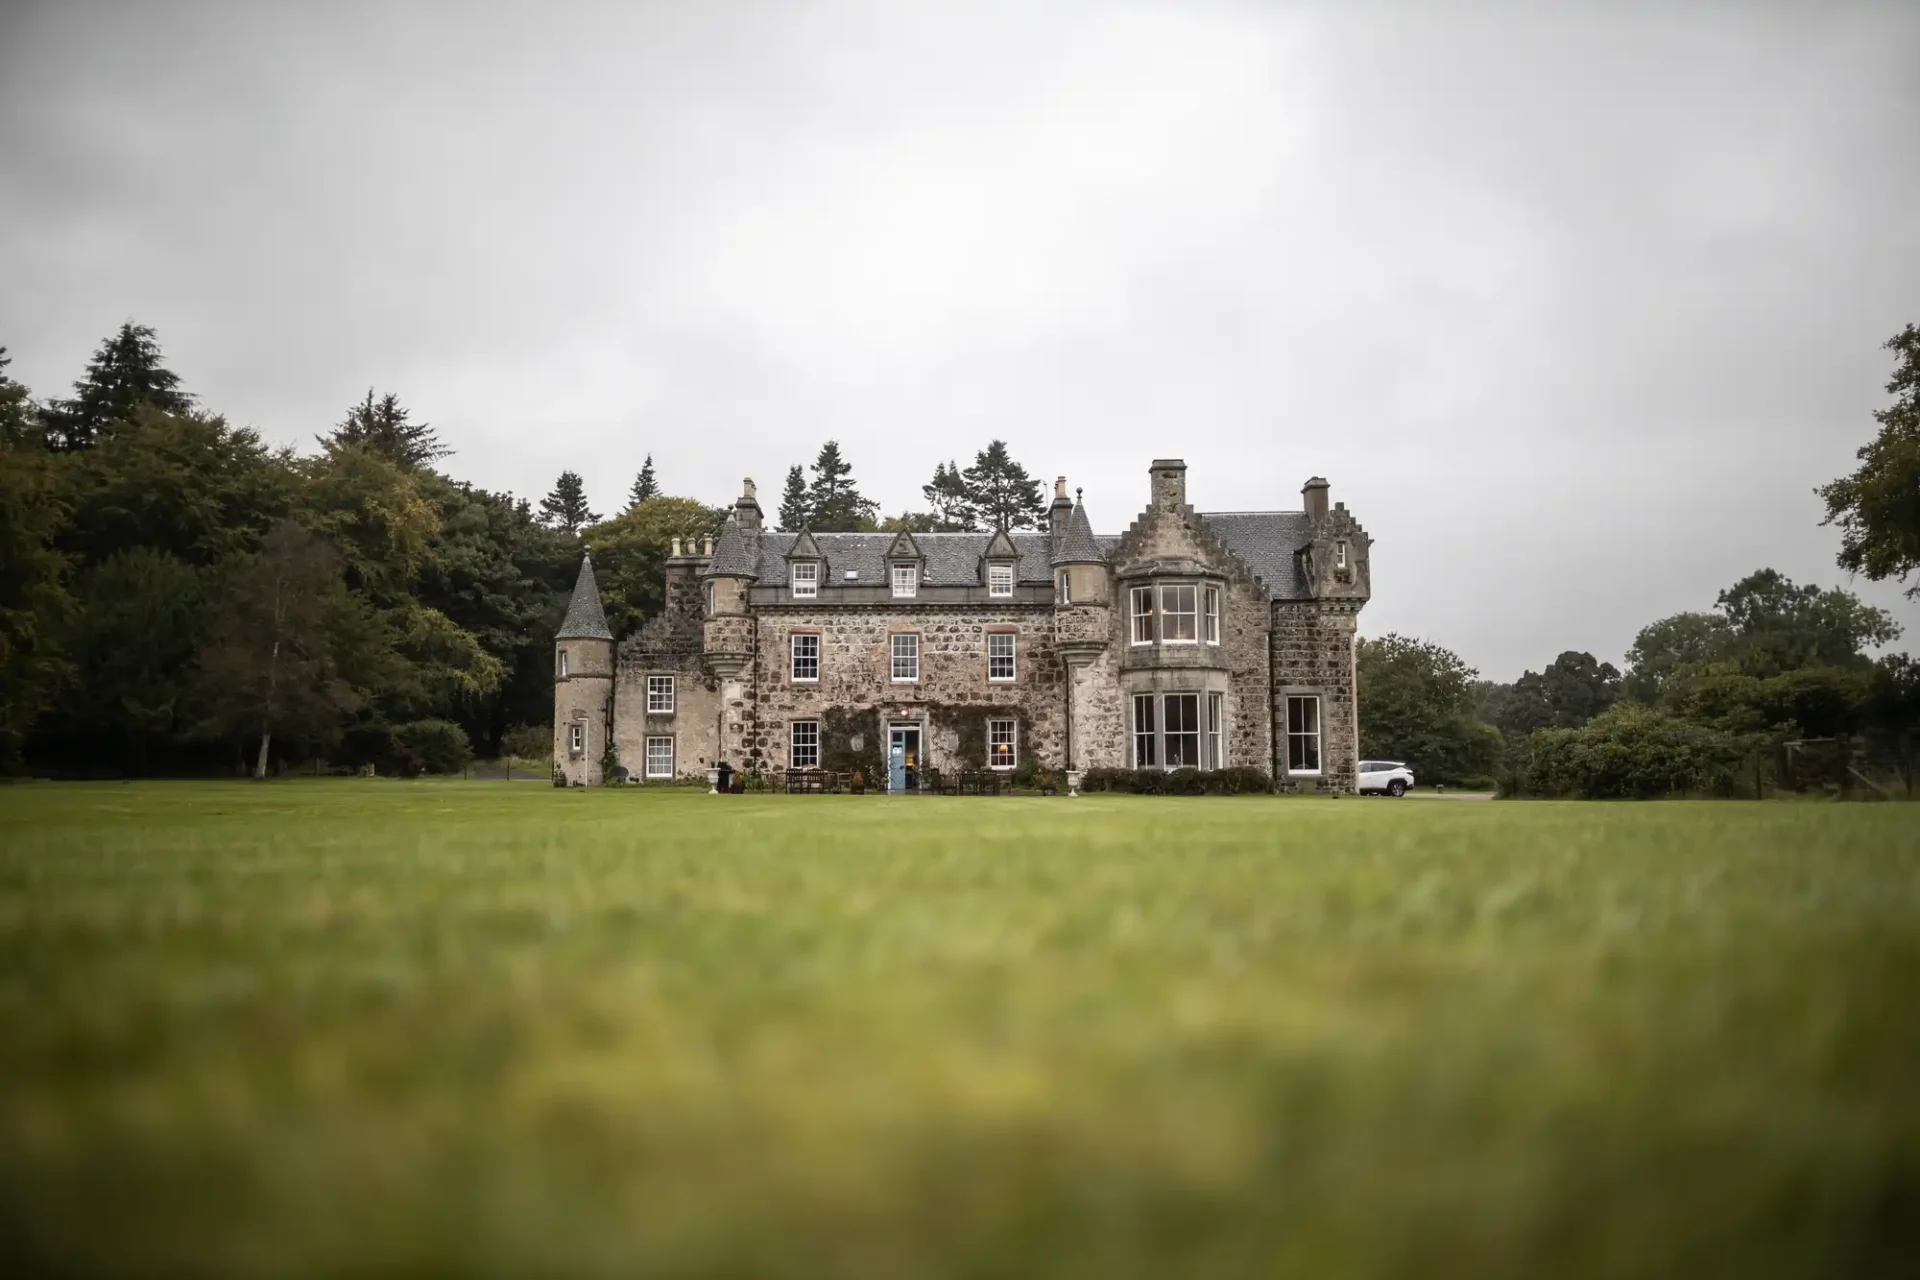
point(367, 1026)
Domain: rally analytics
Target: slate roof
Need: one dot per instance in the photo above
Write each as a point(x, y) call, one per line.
point(952, 559)
point(731, 556)
point(1266, 541)
point(585, 619)
point(1077, 544)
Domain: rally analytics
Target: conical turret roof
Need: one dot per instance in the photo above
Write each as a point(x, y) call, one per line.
point(1077, 545)
point(586, 619)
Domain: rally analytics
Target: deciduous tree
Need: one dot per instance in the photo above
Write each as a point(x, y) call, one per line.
point(1416, 705)
point(1878, 506)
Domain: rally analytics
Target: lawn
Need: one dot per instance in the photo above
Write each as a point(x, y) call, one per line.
point(366, 1025)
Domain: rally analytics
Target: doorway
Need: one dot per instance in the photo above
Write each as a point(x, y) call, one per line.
point(903, 757)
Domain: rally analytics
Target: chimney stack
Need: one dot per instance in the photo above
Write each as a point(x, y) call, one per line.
point(1062, 508)
point(1314, 495)
point(747, 510)
point(1169, 483)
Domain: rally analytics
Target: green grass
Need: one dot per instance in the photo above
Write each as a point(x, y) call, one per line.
point(501, 1029)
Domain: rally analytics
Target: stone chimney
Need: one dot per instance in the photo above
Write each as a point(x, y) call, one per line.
point(1062, 508)
point(1314, 495)
point(747, 510)
point(1169, 484)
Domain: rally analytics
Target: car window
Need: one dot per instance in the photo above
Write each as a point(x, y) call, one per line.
point(1369, 766)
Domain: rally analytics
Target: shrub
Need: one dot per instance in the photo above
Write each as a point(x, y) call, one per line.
point(528, 742)
point(1179, 782)
point(1632, 752)
point(431, 746)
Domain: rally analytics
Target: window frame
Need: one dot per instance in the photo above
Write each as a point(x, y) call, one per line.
point(672, 698)
point(811, 581)
point(1147, 736)
point(1340, 555)
point(563, 664)
point(795, 745)
point(647, 757)
point(1063, 587)
point(1012, 657)
point(1011, 742)
point(708, 597)
point(1192, 614)
point(1210, 614)
point(911, 579)
point(1136, 615)
point(1214, 749)
point(1313, 736)
point(1177, 741)
point(894, 656)
point(999, 575)
point(577, 737)
point(793, 657)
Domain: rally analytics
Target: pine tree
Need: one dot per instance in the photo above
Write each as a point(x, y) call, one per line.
point(834, 503)
point(1001, 492)
point(644, 485)
point(565, 508)
point(19, 419)
point(381, 426)
point(952, 507)
point(794, 512)
point(124, 374)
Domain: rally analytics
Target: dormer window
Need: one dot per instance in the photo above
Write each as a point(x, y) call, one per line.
point(906, 581)
point(1000, 580)
point(805, 577)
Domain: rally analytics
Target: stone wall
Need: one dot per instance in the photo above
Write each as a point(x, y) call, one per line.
point(582, 695)
point(856, 677)
point(1313, 654)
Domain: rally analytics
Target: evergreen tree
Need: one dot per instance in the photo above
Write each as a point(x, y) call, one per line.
point(834, 504)
point(381, 426)
point(566, 508)
point(124, 375)
point(794, 511)
point(19, 418)
point(1000, 492)
point(953, 510)
point(644, 485)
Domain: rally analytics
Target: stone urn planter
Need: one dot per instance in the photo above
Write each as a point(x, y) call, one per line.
point(713, 781)
point(1073, 781)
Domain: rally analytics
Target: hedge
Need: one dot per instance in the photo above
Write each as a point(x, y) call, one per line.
point(1178, 782)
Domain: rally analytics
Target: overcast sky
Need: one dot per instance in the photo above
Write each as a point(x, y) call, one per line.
point(1574, 311)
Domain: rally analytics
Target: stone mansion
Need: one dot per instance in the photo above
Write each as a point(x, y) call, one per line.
point(1191, 639)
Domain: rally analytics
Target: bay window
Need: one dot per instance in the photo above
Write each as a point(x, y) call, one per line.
point(1216, 731)
point(1210, 619)
point(1177, 624)
point(1142, 598)
point(1182, 733)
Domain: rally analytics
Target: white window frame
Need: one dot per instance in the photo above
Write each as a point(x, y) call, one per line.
point(906, 581)
point(577, 738)
point(1295, 703)
point(1142, 619)
point(1191, 613)
point(1339, 555)
point(803, 577)
point(1011, 657)
point(803, 744)
point(911, 656)
point(1000, 580)
point(1143, 702)
point(1063, 587)
point(658, 705)
point(707, 597)
point(652, 758)
point(794, 657)
point(1003, 732)
point(1210, 614)
point(1216, 747)
point(563, 664)
point(1189, 735)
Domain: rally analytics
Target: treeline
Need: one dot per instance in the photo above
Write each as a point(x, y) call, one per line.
point(994, 493)
point(1709, 699)
point(176, 595)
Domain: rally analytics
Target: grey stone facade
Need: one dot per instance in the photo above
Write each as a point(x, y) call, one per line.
point(1191, 638)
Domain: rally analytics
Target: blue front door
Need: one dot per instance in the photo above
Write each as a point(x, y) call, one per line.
point(903, 757)
point(897, 764)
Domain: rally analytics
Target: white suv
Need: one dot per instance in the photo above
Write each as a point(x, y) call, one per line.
point(1389, 776)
